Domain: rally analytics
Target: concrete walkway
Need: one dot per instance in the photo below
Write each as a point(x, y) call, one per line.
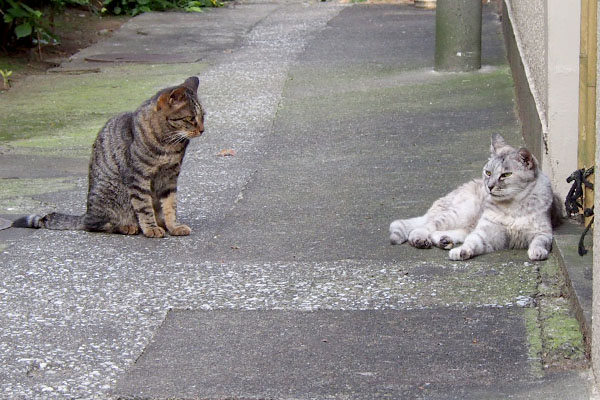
point(288, 287)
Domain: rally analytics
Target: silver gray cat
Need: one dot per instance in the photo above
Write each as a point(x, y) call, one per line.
point(512, 206)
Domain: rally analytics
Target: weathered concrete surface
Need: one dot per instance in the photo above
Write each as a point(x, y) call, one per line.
point(339, 126)
point(579, 271)
point(336, 355)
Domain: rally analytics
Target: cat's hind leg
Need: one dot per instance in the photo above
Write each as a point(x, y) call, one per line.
point(447, 239)
point(400, 229)
point(131, 229)
point(420, 238)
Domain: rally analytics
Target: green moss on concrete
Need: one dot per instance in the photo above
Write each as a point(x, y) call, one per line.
point(411, 91)
point(55, 111)
point(12, 64)
point(16, 194)
point(29, 187)
point(475, 284)
point(562, 338)
point(561, 334)
point(534, 340)
point(20, 205)
point(552, 280)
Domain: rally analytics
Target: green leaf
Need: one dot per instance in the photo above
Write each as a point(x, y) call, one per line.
point(17, 12)
point(31, 11)
point(23, 30)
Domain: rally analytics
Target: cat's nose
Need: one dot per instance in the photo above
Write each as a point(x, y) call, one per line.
point(491, 186)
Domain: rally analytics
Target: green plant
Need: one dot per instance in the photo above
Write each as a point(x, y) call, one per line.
point(30, 22)
point(196, 6)
point(134, 7)
point(5, 77)
point(25, 20)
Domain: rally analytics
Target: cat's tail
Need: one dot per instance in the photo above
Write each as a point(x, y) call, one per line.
point(51, 221)
point(557, 212)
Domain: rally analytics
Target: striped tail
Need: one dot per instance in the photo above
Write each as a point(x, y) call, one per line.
point(51, 221)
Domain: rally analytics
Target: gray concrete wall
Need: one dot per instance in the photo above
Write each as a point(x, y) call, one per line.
point(527, 106)
point(545, 49)
point(528, 19)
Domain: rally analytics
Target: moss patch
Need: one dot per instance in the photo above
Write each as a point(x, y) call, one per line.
point(12, 64)
point(16, 194)
point(562, 339)
point(386, 89)
point(29, 187)
point(53, 112)
point(480, 284)
point(534, 340)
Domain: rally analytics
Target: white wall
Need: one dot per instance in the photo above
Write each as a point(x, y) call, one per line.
point(562, 101)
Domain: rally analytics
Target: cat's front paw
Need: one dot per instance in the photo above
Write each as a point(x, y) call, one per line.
point(460, 253)
point(537, 253)
point(180, 230)
point(420, 243)
point(445, 243)
point(154, 232)
point(442, 241)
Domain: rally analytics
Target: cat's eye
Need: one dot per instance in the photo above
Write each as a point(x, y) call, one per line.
point(505, 175)
point(488, 173)
point(189, 118)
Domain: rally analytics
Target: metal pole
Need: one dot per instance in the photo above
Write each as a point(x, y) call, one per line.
point(458, 35)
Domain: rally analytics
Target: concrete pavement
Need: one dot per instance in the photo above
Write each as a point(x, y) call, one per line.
point(288, 287)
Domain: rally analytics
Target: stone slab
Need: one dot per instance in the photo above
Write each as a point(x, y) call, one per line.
point(140, 58)
point(4, 224)
point(578, 273)
point(454, 354)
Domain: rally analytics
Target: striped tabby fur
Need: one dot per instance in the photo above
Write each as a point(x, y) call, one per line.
point(512, 206)
point(134, 168)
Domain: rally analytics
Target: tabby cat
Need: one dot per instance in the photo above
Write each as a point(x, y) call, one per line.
point(135, 164)
point(513, 206)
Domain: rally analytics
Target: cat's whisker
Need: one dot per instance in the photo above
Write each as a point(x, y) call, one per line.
point(177, 137)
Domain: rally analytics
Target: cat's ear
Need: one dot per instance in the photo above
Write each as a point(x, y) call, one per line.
point(498, 143)
point(167, 99)
point(527, 159)
point(192, 83)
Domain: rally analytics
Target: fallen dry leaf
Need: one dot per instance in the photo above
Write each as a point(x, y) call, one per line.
point(226, 153)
